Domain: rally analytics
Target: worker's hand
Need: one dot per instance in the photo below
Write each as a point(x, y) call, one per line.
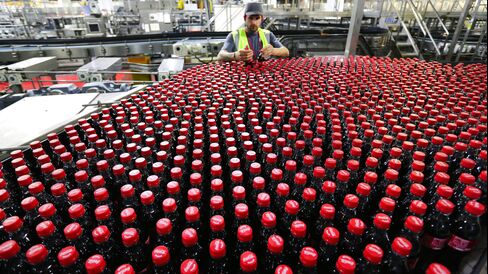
point(267, 51)
point(244, 55)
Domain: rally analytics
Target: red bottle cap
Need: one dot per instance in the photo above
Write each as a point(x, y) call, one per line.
point(68, 256)
point(102, 212)
point(418, 190)
point(95, 264)
point(414, 224)
point(308, 257)
point(169, 205)
point(418, 207)
point(192, 214)
point(309, 194)
point(387, 204)
point(189, 237)
point(442, 178)
point(130, 237)
point(467, 179)
point(76, 211)
point(382, 221)
point(36, 254)
point(283, 189)
point(128, 215)
point(160, 255)
point(276, 244)
point(75, 195)
point(125, 269)
point(331, 236)
point(417, 177)
point(45, 229)
point(241, 211)
point(327, 211)
point(401, 246)
point(47, 210)
point(12, 224)
point(345, 264)
point(363, 189)
point(370, 177)
point(189, 266)
point(29, 203)
point(373, 253)
point(343, 175)
point(292, 207)
point(356, 226)
point(436, 268)
point(283, 269)
point(100, 234)
point(217, 249)
point(298, 229)
point(9, 249)
point(244, 233)
point(391, 174)
point(474, 208)
point(58, 189)
point(217, 223)
point(351, 201)
point(248, 261)
point(73, 231)
point(194, 195)
point(58, 174)
point(216, 202)
point(300, 178)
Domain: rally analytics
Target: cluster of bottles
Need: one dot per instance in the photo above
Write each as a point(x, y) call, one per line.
point(306, 165)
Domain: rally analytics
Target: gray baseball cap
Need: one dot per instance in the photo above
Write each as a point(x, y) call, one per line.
point(254, 8)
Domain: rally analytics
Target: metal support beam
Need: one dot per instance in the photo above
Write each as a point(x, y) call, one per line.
point(466, 34)
point(354, 27)
point(459, 28)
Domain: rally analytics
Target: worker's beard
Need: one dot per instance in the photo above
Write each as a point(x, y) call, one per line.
point(252, 29)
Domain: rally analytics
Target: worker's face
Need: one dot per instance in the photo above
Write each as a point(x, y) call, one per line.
point(253, 22)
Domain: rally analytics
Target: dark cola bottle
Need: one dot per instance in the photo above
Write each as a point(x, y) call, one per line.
point(76, 237)
point(348, 210)
point(352, 241)
point(298, 237)
point(191, 249)
point(105, 243)
point(371, 261)
point(11, 257)
point(328, 249)
point(397, 259)
point(69, 260)
point(308, 209)
point(274, 255)
point(40, 260)
point(164, 233)
point(134, 249)
point(37, 190)
point(465, 232)
point(189, 266)
point(411, 231)
point(268, 226)
point(343, 177)
point(292, 209)
point(218, 257)
point(14, 226)
point(282, 194)
point(217, 206)
point(325, 219)
point(378, 232)
point(50, 236)
point(171, 211)
point(161, 260)
point(327, 193)
point(244, 240)
point(299, 181)
point(436, 233)
point(362, 192)
point(31, 217)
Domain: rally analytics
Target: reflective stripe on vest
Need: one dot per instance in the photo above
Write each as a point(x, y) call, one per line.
point(240, 38)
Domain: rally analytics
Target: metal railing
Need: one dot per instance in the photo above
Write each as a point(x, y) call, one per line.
point(423, 27)
point(437, 16)
point(405, 28)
